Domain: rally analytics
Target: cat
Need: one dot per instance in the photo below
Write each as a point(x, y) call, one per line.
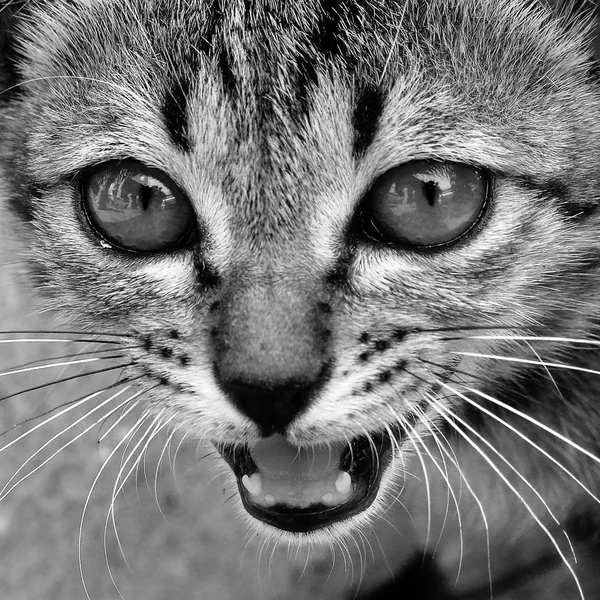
point(353, 244)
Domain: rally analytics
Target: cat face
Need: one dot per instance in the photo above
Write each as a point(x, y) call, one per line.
point(320, 230)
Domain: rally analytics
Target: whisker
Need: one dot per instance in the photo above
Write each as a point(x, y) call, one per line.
point(229, 498)
point(546, 369)
point(71, 406)
point(270, 562)
point(100, 433)
point(365, 543)
point(59, 341)
point(536, 338)
point(455, 370)
point(346, 557)
point(428, 424)
point(65, 379)
point(151, 431)
point(444, 473)
point(434, 404)
point(158, 464)
point(154, 427)
point(164, 425)
point(465, 328)
point(514, 470)
point(111, 513)
point(132, 431)
point(528, 362)
point(61, 332)
point(41, 361)
point(5, 492)
point(125, 453)
point(412, 435)
point(451, 419)
point(399, 20)
point(106, 559)
point(64, 405)
point(383, 552)
point(360, 562)
point(177, 449)
point(54, 365)
point(537, 423)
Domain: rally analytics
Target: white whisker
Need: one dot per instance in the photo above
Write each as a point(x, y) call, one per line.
point(450, 490)
point(530, 442)
point(4, 492)
point(68, 363)
point(435, 405)
point(158, 464)
point(56, 415)
point(528, 362)
point(412, 436)
point(132, 430)
point(130, 435)
point(542, 426)
point(127, 456)
point(514, 470)
point(153, 429)
point(535, 338)
point(52, 340)
point(550, 376)
point(116, 423)
point(451, 419)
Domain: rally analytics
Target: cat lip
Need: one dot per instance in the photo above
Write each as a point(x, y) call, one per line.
point(338, 482)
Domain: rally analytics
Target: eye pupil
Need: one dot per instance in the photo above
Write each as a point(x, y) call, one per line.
point(145, 195)
point(430, 191)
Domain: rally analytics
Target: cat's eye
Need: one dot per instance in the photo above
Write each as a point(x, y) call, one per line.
point(425, 203)
point(137, 208)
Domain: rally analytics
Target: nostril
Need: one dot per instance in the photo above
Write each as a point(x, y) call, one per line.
point(271, 408)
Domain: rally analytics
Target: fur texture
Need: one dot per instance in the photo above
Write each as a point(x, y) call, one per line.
point(275, 120)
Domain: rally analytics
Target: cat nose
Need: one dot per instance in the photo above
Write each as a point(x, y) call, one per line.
point(272, 409)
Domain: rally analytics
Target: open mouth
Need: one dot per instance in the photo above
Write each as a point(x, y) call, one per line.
point(305, 489)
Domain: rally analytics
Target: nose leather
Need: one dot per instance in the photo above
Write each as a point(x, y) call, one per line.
point(272, 409)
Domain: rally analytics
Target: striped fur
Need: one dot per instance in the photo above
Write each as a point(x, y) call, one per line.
point(275, 119)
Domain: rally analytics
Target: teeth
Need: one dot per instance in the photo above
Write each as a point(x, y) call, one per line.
point(328, 499)
point(253, 483)
point(298, 494)
point(343, 483)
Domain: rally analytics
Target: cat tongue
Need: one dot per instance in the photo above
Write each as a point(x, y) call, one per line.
point(297, 477)
point(276, 457)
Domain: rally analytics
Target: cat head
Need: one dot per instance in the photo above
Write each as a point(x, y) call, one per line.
point(317, 228)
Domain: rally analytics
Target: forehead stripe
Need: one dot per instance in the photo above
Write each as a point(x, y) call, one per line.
point(365, 118)
point(174, 111)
